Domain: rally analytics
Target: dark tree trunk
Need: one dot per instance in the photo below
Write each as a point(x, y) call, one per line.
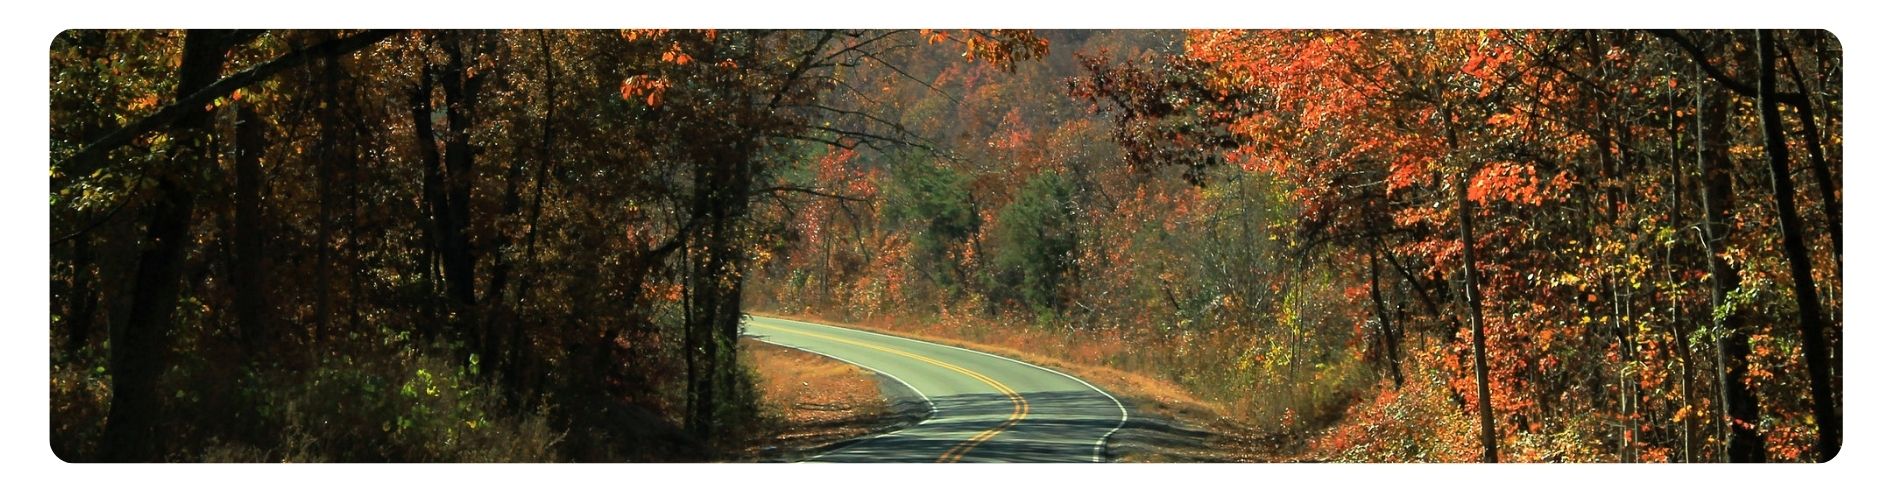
point(247, 274)
point(721, 200)
point(713, 273)
point(1387, 340)
point(1816, 154)
point(139, 348)
point(433, 192)
point(326, 158)
point(1740, 412)
point(81, 299)
point(517, 357)
point(1829, 205)
point(462, 96)
point(84, 287)
point(497, 316)
point(1812, 320)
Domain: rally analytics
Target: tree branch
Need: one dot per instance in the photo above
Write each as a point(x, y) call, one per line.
point(176, 110)
point(809, 191)
point(1701, 58)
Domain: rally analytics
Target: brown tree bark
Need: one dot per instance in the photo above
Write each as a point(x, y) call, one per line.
point(1474, 304)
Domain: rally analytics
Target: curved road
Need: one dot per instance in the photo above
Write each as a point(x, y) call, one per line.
point(985, 408)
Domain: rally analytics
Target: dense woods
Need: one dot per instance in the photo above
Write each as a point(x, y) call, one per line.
point(540, 245)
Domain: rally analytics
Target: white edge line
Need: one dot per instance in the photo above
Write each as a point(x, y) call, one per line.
point(931, 411)
point(1124, 413)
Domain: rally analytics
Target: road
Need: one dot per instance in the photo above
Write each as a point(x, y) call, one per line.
point(984, 408)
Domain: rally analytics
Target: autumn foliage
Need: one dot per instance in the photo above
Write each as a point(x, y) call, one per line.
point(1275, 218)
point(1415, 245)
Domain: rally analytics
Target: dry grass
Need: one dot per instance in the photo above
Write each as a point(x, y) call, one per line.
point(812, 401)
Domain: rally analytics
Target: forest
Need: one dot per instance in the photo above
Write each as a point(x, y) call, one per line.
point(542, 245)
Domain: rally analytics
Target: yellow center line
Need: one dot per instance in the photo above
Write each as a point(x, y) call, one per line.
point(1020, 407)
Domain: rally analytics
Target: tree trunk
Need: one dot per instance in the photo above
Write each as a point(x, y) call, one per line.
point(433, 232)
point(1740, 412)
point(721, 199)
point(1822, 172)
point(81, 298)
point(1812, 333)
point(716, 303)
point(1829, 205)
point(516, 368)
point(1387, 340)
point(462, 96)
point(139, 348)
point(247, 275)
point(496, 319)
point(1675, 272)
point(1474, 304)
point(325, 160)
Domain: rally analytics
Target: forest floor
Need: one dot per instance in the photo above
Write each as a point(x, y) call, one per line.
point(1167, 423)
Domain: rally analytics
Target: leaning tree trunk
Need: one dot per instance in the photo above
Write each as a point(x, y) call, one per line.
point(139, 347)
point(1812, 332)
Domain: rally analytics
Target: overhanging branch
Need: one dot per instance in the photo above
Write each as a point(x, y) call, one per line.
point(171, 113)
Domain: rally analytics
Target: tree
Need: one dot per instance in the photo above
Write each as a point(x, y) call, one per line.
point(937, 200)
point(139, 348)
point(379, 245)
point(1812, 321)
point(1036, 246)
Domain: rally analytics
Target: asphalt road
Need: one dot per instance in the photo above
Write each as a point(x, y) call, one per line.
point(983, 407)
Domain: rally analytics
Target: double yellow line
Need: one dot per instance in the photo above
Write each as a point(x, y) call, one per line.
point(1020, 407)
